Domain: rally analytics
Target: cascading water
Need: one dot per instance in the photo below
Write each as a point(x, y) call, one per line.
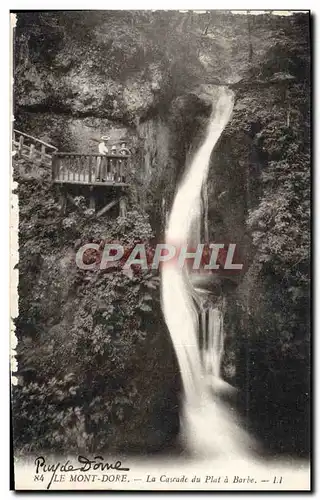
point(213, 343)
point(207, 424)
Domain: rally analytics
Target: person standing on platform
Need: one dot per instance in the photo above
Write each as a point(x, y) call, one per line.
point(103, 150)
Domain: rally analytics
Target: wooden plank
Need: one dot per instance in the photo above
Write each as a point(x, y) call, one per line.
point(81, 165)
point(54, 164)
point(107, 207)
point(66, 154)
point(59, 169)
point(43, 152)
point(90, 171)
point(108, 167)
point(113, 169)
point(119, 169)
point(35, 139)
point(21, 140)
point(123, 207)
point(68, 169)
point(25, 152)
point(63, 165)
point(104, 168)
point(84, 170)
point(116, 169)
point(99, 184)
point(58, 163)
point(126, 169)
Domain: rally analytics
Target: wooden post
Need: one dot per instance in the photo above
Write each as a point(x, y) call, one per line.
point(107, 207)
point(80, 166)
point(111, 168)
point(54, 167)
point(69, 163)
point(119, 170)
point(123, 206)
point(90, 169)
point(43, 152)
point(62, 167)
point(107, 174)
point(21, 139)
point(104, 168)
point(92, 200)
point(31, 154)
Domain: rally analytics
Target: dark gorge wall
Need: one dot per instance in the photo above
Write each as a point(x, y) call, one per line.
point(150, 76)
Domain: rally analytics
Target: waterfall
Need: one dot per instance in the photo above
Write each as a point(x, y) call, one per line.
point(208, 427)
point(213, 343)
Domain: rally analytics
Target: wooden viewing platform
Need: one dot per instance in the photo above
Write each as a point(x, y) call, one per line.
point(78, 168)
point(75, 174)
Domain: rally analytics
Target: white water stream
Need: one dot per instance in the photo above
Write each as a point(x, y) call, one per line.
point(208, 426)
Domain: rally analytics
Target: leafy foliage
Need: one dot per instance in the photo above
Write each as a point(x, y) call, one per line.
point(81, 339)
point(85, 337)
point(268, 315)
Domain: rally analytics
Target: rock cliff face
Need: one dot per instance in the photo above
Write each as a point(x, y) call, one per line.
point(147, 76)
point(143, 74)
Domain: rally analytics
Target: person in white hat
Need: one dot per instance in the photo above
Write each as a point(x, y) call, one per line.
point(103, 150)
point(124, 151)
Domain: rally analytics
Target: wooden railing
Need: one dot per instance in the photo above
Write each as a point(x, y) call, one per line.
point(77, 168)
point(32, 148)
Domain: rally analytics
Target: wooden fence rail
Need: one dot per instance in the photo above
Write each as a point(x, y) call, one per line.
point(78, 168)
point(73, 168)
point(31, 148)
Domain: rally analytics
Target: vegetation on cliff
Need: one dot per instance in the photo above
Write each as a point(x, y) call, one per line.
point(143, 73)
point(268, 214)
point(87, 339)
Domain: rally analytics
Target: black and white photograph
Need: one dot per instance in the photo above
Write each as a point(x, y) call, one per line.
point(160, 236)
